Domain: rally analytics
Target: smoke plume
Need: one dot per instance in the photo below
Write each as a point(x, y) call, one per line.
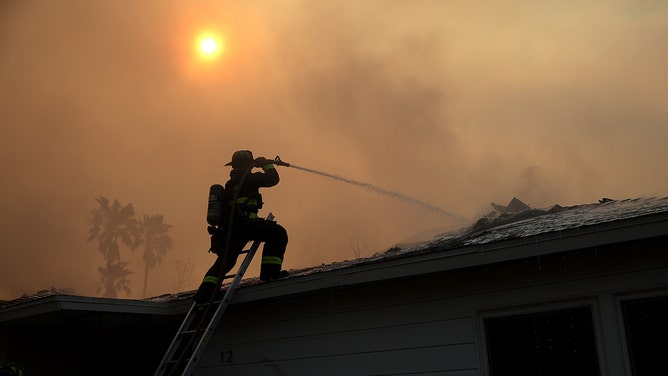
point(455, 104)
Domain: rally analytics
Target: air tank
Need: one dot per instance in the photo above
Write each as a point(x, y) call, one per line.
point(214, 214)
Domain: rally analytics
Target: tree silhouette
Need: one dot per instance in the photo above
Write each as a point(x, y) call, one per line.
point(111, 224)
point(183, 276)
point(156, 243)
point(114, 279)
point(358, 243)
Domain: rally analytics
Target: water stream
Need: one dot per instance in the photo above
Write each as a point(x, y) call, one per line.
point(376, 189)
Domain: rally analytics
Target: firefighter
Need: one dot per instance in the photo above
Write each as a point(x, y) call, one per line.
point(241, 203)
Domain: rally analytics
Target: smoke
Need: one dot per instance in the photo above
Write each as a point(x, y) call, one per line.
point(456, 105)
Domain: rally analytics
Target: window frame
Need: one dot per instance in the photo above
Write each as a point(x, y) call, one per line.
point(620, 299)
point(500, 312)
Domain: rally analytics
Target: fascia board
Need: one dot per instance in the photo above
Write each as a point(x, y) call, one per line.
point(38, 307)
point(87, 304)
point(464, 257)
point(74, 303)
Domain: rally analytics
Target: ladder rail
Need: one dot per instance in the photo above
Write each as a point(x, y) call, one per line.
point(213, 324)
point(171, 358)
point(176, 341)
point(210, 327)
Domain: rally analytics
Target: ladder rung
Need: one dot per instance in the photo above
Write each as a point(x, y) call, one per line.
point(185, 360)
point(192, 331)
point(202, 306)
point(229, 276)
point(245, 251)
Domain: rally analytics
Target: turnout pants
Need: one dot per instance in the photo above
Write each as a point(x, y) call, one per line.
point(275, 240)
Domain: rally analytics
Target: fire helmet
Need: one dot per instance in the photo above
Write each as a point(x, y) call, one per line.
point(241, 159)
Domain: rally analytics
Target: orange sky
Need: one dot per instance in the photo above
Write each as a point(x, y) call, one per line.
point(457, 104)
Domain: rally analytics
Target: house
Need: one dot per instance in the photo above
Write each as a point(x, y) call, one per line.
point(567, 290)
point(55, 333)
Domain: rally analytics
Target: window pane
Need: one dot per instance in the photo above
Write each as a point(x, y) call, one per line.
point(647, 335)
point(546, 343)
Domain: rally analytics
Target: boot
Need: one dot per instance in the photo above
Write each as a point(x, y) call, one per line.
point(270, 274)
point(206, 289)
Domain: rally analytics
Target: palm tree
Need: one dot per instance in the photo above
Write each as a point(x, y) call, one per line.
point(111, 224)
point(114, 279)
point(156, 243)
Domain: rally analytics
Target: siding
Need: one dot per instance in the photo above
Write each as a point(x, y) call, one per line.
point(312, 337)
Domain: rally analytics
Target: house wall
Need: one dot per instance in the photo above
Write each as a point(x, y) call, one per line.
point(45, 350)
point(88, 343)
point(434, 324)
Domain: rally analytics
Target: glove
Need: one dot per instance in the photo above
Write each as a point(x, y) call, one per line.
point(262, 161)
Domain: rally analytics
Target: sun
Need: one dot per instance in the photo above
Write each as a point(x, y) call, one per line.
point(209, 46)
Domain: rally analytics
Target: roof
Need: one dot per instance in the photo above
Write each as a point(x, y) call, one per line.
point(509, 236)
point(53, 300)
point(518, 225)
point(534, 222)
point(511, 232)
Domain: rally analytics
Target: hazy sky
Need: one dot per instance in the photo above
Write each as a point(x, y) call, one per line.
point(455, 103)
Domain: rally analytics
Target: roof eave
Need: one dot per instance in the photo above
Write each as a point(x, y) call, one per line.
point(451, 259)
point(88, 304)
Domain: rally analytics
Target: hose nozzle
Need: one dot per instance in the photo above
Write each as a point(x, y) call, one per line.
point(279, 162)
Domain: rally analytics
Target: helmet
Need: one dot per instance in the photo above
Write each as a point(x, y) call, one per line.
point(241, 159)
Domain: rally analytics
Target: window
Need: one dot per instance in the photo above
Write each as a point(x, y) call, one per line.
point(646, 326)
point(559, 342)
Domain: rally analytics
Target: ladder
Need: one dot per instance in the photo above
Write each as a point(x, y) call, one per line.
point(198, 326)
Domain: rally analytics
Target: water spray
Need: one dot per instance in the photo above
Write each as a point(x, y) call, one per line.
point(373, 188)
